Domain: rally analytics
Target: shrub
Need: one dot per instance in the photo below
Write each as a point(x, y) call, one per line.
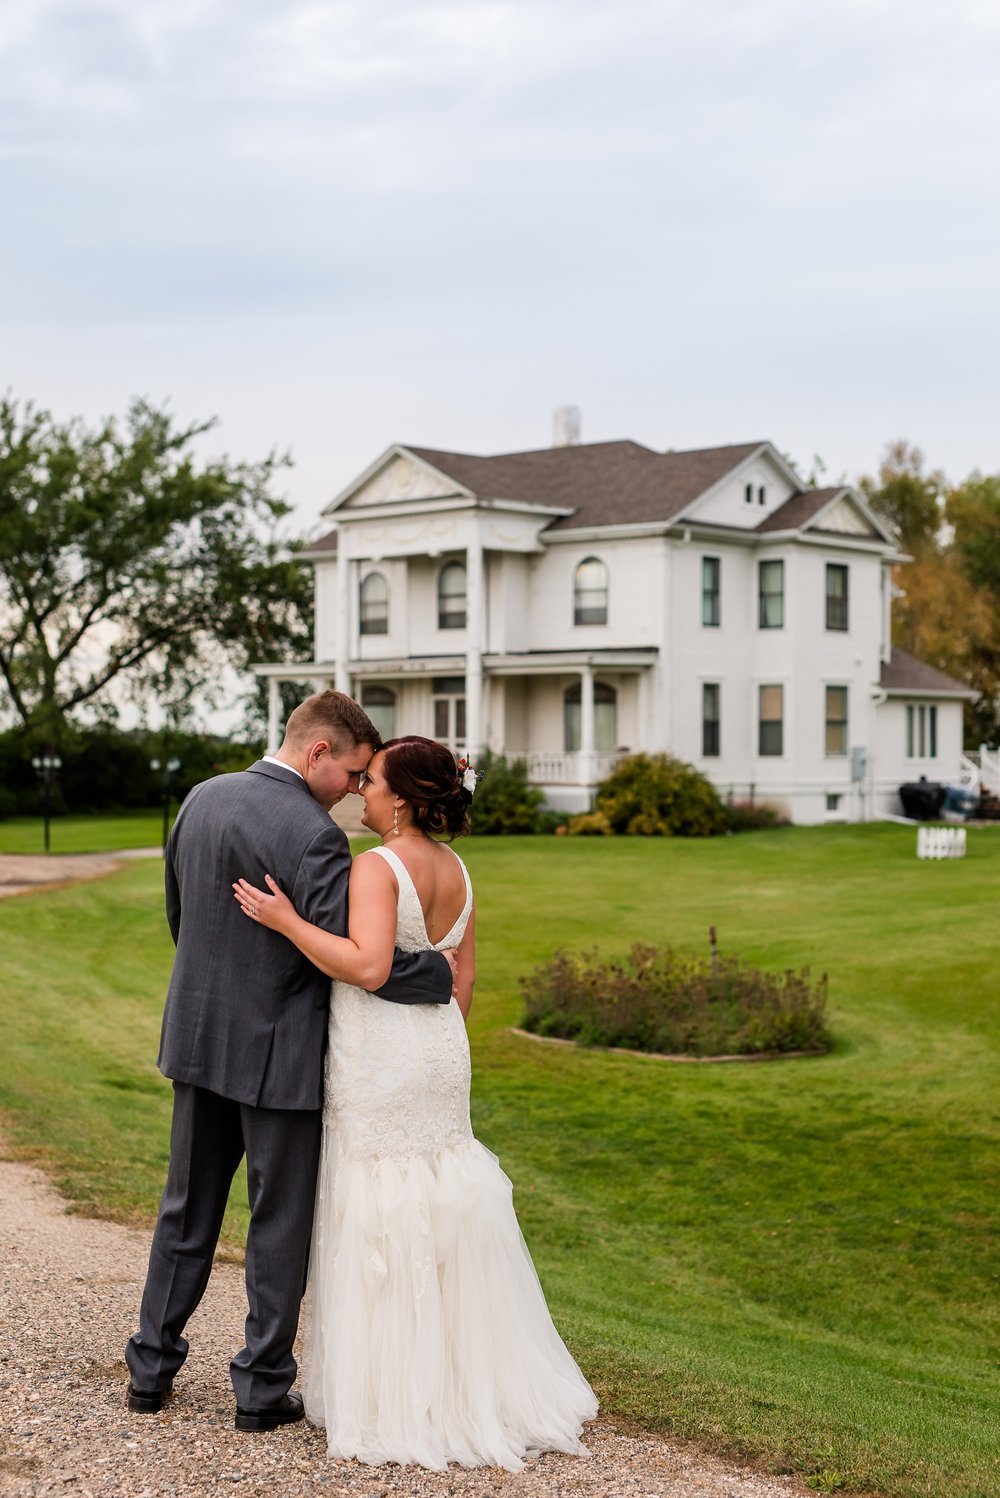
point(590, 824)
point(753, 816)
point(504, 802)
point(676, 1003)
point(654, 795)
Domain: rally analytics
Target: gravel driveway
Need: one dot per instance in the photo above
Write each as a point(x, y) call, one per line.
point(23, 872)
point(69, 1293)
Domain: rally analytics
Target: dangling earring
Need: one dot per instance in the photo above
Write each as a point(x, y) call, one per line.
point(395, 821)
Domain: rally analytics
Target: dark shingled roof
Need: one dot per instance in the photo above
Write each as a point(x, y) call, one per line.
point(603, 483)
point(904, 673)
point(799, 509)
point(323, 543)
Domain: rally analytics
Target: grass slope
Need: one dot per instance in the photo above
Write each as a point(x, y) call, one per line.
point(795, 1260)
point(96, 834)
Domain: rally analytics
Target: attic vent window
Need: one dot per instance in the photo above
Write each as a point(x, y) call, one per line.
point(762, 495)
point(748, 494)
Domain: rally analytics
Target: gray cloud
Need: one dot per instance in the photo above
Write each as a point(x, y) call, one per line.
point(704, 221)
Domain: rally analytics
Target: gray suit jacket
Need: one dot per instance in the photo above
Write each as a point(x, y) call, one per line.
point(246, 1013)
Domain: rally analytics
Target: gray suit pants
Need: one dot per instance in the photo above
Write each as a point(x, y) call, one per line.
point(208, 1138)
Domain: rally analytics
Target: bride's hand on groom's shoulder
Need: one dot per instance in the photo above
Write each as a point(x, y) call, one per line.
point(274, 910)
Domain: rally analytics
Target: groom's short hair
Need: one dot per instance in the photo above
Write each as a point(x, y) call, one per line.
point(334, 716)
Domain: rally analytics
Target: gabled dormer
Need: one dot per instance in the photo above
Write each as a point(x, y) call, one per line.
point(749, 493)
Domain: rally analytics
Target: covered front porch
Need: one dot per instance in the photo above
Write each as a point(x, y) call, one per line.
point(569, 715)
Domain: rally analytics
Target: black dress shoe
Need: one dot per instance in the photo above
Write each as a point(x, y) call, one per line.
point(149, 1401)
point(286, 1413)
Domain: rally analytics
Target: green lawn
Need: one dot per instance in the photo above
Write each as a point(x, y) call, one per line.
point(795, 1260)
point(96, 834)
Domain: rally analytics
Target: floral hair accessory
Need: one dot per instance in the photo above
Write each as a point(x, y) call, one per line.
point(468, 778)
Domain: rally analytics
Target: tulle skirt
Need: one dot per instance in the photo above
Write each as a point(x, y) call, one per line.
point(428, 1338)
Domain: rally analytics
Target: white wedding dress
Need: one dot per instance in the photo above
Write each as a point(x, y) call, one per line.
point(428, 1338)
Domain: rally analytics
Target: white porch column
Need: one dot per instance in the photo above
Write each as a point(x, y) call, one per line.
point(586, 760)
point(341, 678)
point(475, 622)
point(273, 714)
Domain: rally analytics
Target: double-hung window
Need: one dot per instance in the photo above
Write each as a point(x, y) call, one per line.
point(451, 596)
point(590, 592)
point(374, 605)
point(770, 720)
point(771, 595)
point(835, 740)
point(710, 724)
point(836, 596)
point(711, 588)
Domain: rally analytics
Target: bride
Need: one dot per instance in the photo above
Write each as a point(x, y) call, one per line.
point(429, 1341)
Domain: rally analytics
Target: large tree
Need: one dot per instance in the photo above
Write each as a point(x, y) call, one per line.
point(911, 499)
point(947, 609)
point(130, 566)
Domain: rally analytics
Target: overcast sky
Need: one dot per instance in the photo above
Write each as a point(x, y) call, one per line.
point(344, 223)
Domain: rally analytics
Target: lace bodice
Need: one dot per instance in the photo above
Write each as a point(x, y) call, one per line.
point(398, 1075)
point(411, 928)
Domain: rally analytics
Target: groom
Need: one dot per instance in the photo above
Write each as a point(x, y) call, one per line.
point(244, 1032)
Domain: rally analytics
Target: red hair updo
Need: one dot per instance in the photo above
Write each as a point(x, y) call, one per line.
point(424, 773)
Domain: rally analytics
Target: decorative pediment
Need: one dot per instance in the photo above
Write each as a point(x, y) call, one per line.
point(397, 476)
point(844, 517)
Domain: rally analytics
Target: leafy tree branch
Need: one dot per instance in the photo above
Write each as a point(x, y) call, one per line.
point(126, 562)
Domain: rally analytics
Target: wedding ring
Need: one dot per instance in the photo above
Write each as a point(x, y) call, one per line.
point(253, 910)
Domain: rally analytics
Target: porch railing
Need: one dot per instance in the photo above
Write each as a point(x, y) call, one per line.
point(981, 769)
point(989, 769)
point(569, 768)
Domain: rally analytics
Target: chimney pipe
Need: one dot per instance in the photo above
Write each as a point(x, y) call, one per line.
point(566, 427)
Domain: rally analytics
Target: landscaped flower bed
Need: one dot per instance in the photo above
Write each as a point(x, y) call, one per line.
point(676, 1003)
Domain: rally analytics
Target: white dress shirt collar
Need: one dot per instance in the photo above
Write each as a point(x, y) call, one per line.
point(269, 759)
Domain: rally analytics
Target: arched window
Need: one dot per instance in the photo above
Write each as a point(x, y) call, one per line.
point(590, 592)
point(605, 717)
point(380, 705)
point(374, 607)
point(451, 596)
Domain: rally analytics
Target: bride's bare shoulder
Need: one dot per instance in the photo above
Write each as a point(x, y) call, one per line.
point(370, 866)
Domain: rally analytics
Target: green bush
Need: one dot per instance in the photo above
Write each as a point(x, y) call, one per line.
point(753, 816)
point(654, 795)
point(590, 824)
point(504, 802)
point(676, 1003)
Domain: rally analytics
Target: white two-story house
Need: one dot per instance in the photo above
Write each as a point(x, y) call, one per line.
point(584, 601)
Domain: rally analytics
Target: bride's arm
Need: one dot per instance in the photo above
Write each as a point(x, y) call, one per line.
point(364, 956)
point(465, 971)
